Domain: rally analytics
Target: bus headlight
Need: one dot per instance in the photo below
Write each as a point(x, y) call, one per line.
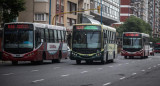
point(5, 54)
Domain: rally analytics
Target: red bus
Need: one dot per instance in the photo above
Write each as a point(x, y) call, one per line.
point(0, 44)
point(135, 44)
point(34, 42)
point(157, 47)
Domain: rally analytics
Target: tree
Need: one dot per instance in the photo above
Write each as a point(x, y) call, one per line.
point(134, 24)
point(9, 9)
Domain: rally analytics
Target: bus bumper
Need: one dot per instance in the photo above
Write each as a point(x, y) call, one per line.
point(131, 54)
point(26, 57)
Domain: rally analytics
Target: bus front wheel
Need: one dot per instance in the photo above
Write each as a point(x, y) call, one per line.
point(78, 61)
point(14, 62)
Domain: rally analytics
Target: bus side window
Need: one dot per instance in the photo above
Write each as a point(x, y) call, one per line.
point(46, 35)
point(107, 36)
point(59, 36)
point(62, 35)
point(42, 34)
point(51, 36)
point(37, 37)
point(55, 36)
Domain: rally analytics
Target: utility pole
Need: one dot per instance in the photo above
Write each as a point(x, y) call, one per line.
point(50, 12)
point(101, 11)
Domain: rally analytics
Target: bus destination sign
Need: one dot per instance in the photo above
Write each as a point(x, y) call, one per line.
point(18, 26)
point(88, 27)
point(131, 34)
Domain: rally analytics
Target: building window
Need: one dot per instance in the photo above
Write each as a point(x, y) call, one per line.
point(57, 1)
point(41, 0)
point(62, 20)
point(40, 17)
point(71, 21)
point(72, 7)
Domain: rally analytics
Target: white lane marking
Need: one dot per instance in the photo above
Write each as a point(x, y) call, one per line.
point(56, 67)
point(149, 68)
point(127, 63)
point(84, 72)
point(34, 70)
point(134, 73)
point(122, 78)
point(35, 81)
point(111, 66)
point(107, 84)
point(7, 74)
point(119, 64)
point(65, 75)
point(154, 66)
point(100, 68)
point(143, 70)
point(158, 64)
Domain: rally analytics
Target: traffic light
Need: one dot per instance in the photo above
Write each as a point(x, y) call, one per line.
point(99, 9)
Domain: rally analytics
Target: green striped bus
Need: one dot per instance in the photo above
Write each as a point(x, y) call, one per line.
point(93, 42)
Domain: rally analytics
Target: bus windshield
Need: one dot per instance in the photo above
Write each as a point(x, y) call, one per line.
point(157, 46)
point(132, 42)
point(18, 39)
point(86, 39)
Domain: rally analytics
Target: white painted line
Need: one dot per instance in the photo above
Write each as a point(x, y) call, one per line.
point(134, 73)
point(127, 63)
point(7, 74)
point(122, 78)
point(158, 64)
point(34, 70)
point(35, 81)
point(65, 75)
point(84, 72)
point(119, 64)
point(154, 66)
point(111, 66)
point(107, 84)
point(100, 68)
point(56, 67)
point(149, 68)
point(143, 70)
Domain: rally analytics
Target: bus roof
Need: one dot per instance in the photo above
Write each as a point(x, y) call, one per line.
point(103, 26)
point(143, 34)
point(41, 25)
point(109, 28)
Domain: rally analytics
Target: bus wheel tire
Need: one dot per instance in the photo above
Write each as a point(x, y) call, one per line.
point(103, 62)
point(14, 62)
point(125, 57)
point(78, 61)
point(112, 60)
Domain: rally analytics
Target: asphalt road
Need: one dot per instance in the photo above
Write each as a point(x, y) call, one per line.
point(123, 72)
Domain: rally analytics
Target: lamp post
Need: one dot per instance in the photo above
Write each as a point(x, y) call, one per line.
point(101, 11)
point(50, 12)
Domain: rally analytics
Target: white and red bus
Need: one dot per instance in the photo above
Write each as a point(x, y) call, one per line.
point(34, 42)
point(135, 44)
point(0, 44)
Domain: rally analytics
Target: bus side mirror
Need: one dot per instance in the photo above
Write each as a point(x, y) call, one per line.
point(41, 40)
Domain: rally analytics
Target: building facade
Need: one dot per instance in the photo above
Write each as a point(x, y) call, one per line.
point(44, 11)
point(153, 18)
point(110, 11)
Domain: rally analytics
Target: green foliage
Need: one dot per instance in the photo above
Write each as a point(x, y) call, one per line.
point(155, 40)
point(9, 9)
point(134, 24)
